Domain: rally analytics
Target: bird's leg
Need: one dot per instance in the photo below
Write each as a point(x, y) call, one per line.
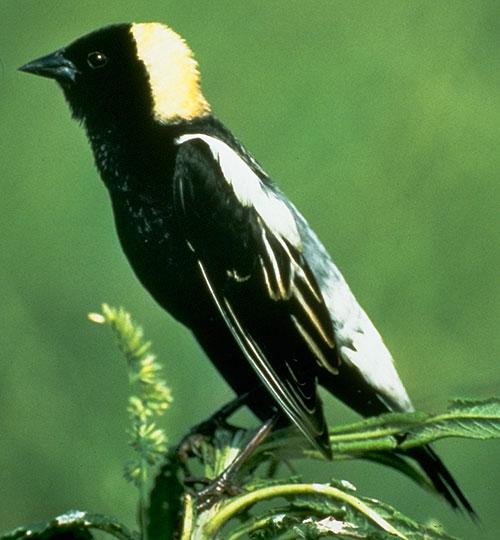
point(224, 484)
point(207, 428)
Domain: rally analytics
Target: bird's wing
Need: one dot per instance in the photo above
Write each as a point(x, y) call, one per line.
point(366, 361)
point(249, 254)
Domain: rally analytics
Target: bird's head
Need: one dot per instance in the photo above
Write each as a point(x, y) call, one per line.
point(125, 70)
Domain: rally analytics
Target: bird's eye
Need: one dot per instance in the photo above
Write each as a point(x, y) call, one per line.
point(97, 60)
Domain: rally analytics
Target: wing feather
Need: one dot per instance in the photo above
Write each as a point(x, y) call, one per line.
point(227, 209)
point(291, 401)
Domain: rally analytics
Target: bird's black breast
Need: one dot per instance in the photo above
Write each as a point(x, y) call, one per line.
point(137, 168)
point(157, 257)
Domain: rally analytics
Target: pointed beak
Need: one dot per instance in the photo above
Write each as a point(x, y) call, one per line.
point(54, 66)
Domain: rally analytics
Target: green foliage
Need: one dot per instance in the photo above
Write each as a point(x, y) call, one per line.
point(151, 396)
point(333, 510)
point(313, 510)
point(74, 524)
point(261, 507)
point(463, 418)
point(470, 419)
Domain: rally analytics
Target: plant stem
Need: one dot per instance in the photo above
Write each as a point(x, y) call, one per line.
point(187, 524)
point(143, 499)
point(238, 504)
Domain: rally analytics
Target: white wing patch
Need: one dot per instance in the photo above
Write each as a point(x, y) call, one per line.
point(362, 347)
point(249, 188)
point(359, 344)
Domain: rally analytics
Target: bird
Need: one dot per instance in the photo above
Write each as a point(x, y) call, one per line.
point(218, 245)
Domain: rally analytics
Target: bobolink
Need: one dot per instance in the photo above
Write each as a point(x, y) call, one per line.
point(218, 245)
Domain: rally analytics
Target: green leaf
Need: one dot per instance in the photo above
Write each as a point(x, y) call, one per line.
point(463, 418)
point(316, 510)
point(406, 526)
point(74, 524)
point(395, 431)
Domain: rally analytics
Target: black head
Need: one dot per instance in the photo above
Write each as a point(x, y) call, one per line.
point(125, 72)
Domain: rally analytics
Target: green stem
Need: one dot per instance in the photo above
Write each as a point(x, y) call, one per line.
point(398, 421)
point(187, 523)
point(364, 436)
point(238, 504)
point(143, 498)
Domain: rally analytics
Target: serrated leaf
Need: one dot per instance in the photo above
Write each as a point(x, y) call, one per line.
point(463, 418)
point(365, 527)
point(74, 524)
point(408, 527)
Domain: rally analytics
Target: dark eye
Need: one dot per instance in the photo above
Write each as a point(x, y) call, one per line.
point(97, 60)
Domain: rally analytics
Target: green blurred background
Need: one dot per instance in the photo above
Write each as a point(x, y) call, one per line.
point(379, 119)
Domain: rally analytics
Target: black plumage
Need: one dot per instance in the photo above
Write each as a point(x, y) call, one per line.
point(217, 244)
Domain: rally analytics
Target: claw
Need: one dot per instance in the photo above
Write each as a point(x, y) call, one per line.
point(215, 492)
point(225, 483)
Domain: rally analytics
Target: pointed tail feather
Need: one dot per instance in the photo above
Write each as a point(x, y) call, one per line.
point(442, 479)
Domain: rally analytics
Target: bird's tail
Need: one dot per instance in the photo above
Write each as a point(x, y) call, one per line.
point(441, 478)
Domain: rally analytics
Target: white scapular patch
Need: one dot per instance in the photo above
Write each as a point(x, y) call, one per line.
point(250, 190)
point(358, 342)
point(173, 73)
point(361, 346)
point(368, 353)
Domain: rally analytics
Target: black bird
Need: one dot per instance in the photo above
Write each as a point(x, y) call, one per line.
point(218, 245)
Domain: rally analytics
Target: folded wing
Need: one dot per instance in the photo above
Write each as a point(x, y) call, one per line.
point(250, 256)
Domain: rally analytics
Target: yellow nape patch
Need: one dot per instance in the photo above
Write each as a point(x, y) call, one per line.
point(173, 73)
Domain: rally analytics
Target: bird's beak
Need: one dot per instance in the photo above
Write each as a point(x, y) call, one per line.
point(54, 66)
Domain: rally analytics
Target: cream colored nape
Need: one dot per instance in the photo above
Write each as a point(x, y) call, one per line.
point(174, 78)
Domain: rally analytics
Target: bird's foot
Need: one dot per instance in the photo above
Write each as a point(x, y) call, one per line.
point(216, 490)
point(225, 484)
